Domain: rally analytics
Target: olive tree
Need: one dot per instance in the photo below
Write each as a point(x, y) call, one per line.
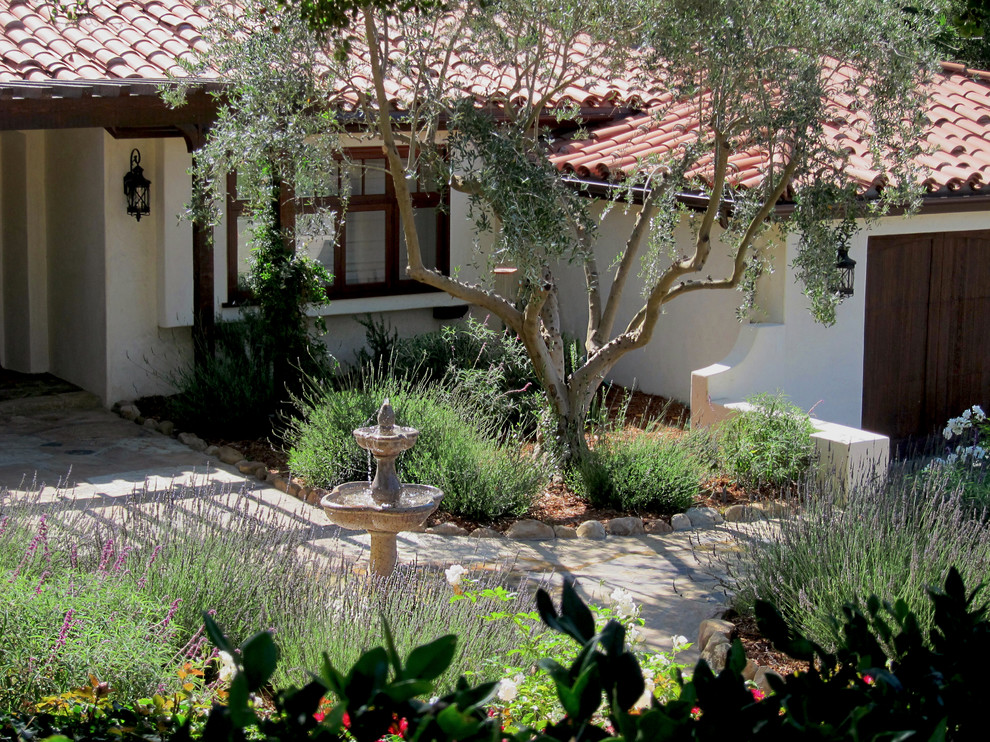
point(475, 91)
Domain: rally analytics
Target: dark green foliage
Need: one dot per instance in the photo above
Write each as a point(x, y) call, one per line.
point(487, 366)
point(647, 472)
point(258, 361)
point(769, 444)
point(232, 391)
point(461, 452)
point(926, 688)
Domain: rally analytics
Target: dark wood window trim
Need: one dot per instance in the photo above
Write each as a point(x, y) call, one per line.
point(394, 283)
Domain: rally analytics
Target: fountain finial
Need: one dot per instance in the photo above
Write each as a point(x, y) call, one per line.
point(386, 417)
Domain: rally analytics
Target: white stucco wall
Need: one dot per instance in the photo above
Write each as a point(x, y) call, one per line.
point(695, 330)
point(76, 257)
point(819, 367)
point(24, 236)
point(141, 256)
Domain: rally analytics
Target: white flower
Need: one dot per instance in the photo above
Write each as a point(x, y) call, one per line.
point(680, 642)
point(454, 573)
point(508, 688)
point(643, 702)
point(947, 432)
point(978, 413)
point(228, 668)
point(966, 414)
point(625, 607)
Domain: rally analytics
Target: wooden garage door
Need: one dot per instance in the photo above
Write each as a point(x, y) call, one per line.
point(927, 343)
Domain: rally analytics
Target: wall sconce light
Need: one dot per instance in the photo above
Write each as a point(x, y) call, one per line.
point(847, 273)
point(136, 188)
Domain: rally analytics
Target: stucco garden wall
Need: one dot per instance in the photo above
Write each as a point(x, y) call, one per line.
point(820, 367)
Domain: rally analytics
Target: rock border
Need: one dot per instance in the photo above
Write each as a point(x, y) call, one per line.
point(715, 637)
point(525, 529)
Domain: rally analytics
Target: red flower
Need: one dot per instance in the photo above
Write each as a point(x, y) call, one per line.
point(868, 679)
point(399, 726)
point(346, 720)
point(319, 716)
point(758, 695)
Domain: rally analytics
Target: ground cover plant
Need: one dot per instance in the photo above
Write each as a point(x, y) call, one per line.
point(483, 473)
point(122, 597)
point(890, 538)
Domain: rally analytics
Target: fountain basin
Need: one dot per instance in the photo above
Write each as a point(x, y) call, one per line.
point(388, 442)
point(350, 505)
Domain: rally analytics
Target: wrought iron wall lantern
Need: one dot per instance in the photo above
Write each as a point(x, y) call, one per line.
point(847, 273)
point(136, 188)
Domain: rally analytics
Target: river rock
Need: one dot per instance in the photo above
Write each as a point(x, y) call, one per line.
point(193, 441)
point(166, 427)
point(680, 522)
point(129, 412)
point(657, 527)
point(628, 526)
point(229, 455)
point(592, 529)
point(565, 532)
point(150, 424)
point(315, 495)
point(531, 530)
point(716, 653)
point(711, 627)
point(761, 679)
point(743, 514)
point(702, 517)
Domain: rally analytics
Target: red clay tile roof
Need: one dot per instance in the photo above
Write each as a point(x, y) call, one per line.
point(133, 39)
point(141, 40)
point(957, 155)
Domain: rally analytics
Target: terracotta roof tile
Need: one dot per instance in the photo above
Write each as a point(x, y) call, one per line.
point(144, 39)
point(958, 139)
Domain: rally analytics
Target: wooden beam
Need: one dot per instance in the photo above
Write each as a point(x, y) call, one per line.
point(111, 112)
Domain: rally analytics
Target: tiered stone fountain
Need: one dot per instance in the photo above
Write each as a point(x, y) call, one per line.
point(386, 506)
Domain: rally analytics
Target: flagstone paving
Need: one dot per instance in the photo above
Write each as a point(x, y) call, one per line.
point(96, 460)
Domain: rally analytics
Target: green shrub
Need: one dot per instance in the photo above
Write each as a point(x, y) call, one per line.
point(489, 367)
point(891, 539)
point(769, 444)
point(231, 392)
point(458, 450)
point(647, 472)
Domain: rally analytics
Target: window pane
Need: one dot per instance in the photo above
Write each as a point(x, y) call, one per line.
point(374, 177)
point(324, 183)
point(318, 247)
point(365, 256)
point(243, 245)
point(426, 227)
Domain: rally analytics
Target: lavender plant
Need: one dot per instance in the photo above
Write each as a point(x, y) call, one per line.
point(158, 559)
point(893, 539)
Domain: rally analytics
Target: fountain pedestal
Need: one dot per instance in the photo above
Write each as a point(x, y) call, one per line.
point(384, 507)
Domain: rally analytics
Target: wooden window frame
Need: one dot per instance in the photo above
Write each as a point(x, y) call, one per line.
point(394, 284)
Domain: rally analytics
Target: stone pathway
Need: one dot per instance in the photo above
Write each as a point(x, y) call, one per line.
point(101, 460)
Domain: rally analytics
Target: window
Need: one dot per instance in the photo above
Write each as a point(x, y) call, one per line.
point(369, 258)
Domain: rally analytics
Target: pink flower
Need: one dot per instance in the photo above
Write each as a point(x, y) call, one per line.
point(758, 695)
point(868, 679)
point(319, 716)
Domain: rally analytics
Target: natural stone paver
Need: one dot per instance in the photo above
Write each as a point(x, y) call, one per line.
point(103, 460)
